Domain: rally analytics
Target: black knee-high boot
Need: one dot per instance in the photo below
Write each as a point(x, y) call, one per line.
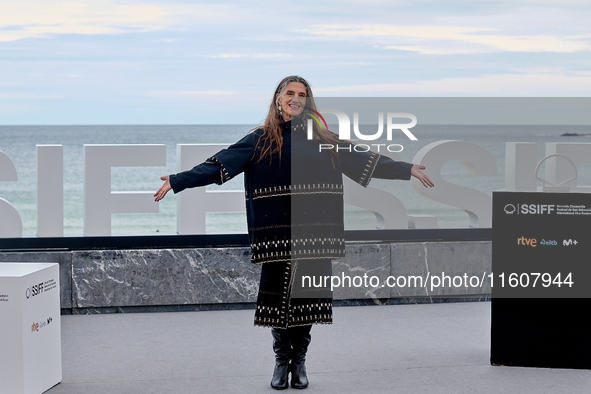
point(299, 342)
point(282, 349)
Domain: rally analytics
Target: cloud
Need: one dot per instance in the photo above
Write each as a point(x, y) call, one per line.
point(39, 18)
point(424, 51)
point(428, 39)
point(533, 84)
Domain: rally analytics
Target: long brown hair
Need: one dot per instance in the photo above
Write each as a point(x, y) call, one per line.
point(272, 140)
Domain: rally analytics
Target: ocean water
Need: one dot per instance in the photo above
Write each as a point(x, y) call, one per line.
point(19, 144)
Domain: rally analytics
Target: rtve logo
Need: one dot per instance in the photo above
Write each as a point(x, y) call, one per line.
point(527, 242)
point(36, 326)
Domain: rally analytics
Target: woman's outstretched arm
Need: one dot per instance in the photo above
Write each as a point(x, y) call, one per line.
point(218, 169)
point(387, 168)
point(201, 175)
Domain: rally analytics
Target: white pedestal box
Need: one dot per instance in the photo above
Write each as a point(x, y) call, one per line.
point(30, 332)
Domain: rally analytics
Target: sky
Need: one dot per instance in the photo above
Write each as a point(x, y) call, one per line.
point(85, 62)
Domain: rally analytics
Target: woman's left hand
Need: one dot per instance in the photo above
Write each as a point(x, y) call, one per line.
point(165, 188)
point(417, 172)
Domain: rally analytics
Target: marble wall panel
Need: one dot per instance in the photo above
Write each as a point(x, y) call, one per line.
point(445, 268)
point(363, 272)
point(151, 277)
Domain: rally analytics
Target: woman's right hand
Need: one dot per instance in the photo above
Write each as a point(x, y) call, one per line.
point(163, 189)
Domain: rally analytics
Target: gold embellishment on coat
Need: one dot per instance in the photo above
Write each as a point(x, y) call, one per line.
point(224, 175)
point(319, 188)
point(369, 169)
point(294, 243)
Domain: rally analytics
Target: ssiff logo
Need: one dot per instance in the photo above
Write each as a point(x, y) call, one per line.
point(34, 290)
point(530, 209)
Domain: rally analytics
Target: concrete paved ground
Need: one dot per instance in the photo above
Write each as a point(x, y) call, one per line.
point(431, 348)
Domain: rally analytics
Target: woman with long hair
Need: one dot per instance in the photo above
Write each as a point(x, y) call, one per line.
point(294, 209)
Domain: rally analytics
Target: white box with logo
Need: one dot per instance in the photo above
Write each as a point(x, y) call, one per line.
point(30, 332)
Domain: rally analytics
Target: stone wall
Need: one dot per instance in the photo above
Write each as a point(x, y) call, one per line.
point(98, 281)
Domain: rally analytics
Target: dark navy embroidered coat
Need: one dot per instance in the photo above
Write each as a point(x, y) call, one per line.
point(294, 210)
